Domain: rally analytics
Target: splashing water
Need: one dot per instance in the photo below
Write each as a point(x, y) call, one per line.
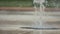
point(39, 13)
point(40, 20)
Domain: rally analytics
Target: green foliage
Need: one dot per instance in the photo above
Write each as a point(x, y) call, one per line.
point(15, 0)
point(15, 3)
point(52, 3)
point(29, 3)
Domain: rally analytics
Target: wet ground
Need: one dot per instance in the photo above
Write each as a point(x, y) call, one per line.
point(10, 21)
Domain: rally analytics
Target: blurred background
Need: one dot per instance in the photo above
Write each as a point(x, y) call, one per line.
point(16, 3)
point(20, 13)
point(27, 3)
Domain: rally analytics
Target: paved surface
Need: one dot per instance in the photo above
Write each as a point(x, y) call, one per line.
point(27, 18)
point(10, 21)
point(29, 32)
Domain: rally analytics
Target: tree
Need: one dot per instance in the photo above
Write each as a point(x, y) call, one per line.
point(52, 3)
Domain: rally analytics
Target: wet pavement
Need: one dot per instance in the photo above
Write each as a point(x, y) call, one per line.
point(26, 18)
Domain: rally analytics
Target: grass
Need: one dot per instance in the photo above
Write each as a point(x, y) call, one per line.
point(16, 4)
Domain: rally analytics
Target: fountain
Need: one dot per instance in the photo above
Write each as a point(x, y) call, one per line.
point(40, 16)
point(39, 11)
